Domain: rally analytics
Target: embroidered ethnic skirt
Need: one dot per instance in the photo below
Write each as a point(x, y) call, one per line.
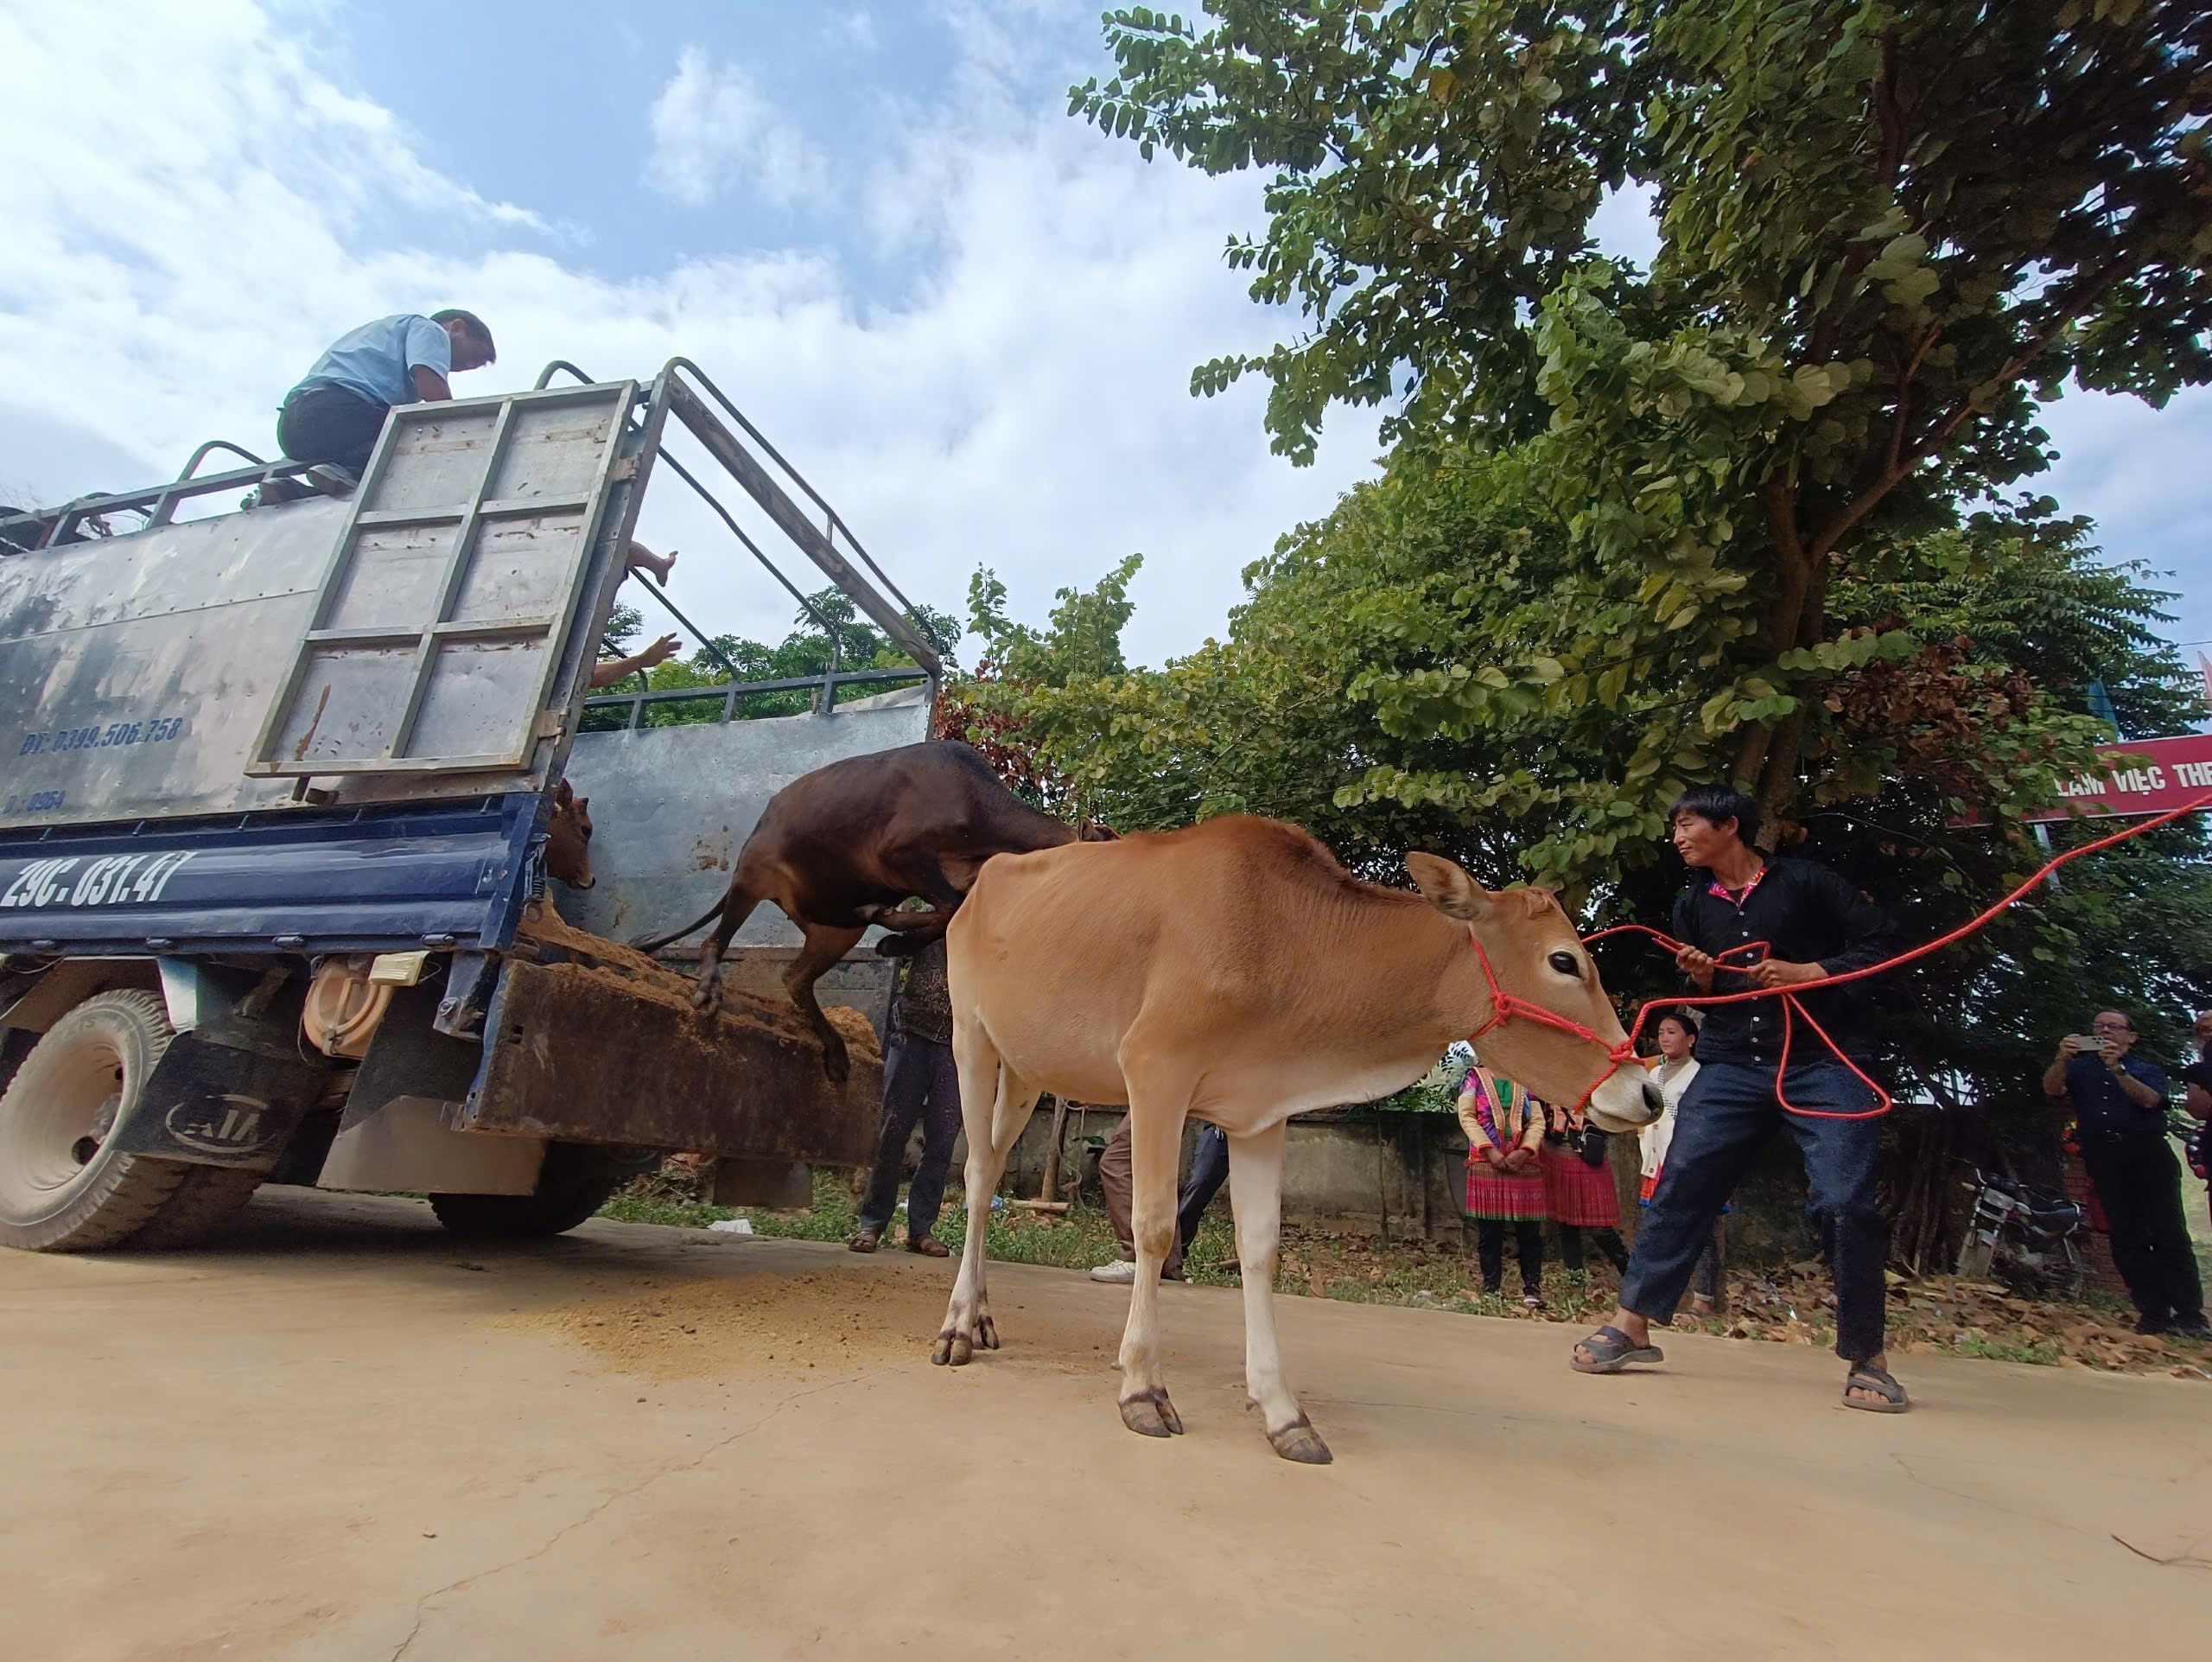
point(1516, 1197)
point(1578, 1193)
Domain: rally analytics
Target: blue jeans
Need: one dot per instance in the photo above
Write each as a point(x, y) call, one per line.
point(1726, 1115)
point(918, 1078)
point(1209, 1171)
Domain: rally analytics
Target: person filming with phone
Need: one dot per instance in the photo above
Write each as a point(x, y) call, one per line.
point(2119, 1112)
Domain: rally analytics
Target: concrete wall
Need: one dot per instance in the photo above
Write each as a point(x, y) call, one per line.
point(1365, 1173)
point(1351, 1168)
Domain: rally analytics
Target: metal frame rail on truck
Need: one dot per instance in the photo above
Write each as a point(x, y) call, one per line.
point(287, 773)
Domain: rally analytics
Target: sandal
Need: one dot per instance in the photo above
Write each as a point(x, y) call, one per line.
point(1866, 1377)
point(1612, 1350)
point(865, 1241)
point(930, 1247)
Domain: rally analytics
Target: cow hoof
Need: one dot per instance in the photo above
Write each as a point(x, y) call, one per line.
point(986, 1334)
point(1298, 1441)
point(1150, 1414)
point(953, 1349)
point(834, 1065)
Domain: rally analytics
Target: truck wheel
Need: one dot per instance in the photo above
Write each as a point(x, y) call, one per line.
point(205, 1201)
point(574, 1183)
point(63, 1186)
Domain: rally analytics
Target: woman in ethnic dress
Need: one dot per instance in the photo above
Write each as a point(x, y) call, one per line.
point(1579, 1191)
point(1505, 1130)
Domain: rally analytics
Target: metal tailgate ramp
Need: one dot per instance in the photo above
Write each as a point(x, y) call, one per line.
point(438, 628)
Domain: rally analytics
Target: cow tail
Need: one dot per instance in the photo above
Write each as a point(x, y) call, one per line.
point(654, 943)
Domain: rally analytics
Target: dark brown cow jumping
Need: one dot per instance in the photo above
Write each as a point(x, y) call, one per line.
point(844, 846)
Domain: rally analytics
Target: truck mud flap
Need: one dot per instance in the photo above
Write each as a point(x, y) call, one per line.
point(578, 1054)
point(210, 1105)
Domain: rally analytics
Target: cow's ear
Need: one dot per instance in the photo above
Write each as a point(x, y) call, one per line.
point(1449, 889)
point(563, 795)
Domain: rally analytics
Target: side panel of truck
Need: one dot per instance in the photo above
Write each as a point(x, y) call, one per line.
point(672, 805)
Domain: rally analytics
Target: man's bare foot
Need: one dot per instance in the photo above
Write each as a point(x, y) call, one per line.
point(644, 559)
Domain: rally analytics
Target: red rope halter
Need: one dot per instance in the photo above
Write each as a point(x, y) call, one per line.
point(1508, 1006)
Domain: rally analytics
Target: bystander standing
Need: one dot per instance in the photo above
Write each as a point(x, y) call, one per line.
point(1505, 1128)
point(1672, 1072)
point(1579, 1192)
point(919, 1083)
point(2120, 1111)
point(1209, 1171)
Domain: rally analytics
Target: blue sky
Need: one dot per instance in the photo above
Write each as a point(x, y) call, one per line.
point(969, 317)
point(849, 78)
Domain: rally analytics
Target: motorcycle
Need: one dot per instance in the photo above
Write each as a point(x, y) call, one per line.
point(2022, 1235)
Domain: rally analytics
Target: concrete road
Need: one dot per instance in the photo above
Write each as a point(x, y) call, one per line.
point(343, 1436)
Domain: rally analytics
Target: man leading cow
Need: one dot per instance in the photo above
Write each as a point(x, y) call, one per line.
point(1814, 924)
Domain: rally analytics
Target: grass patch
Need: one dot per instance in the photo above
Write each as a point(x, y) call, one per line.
point(2042, 1354)
point(680, 1215)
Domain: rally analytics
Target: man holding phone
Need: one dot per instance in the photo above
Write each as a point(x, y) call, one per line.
point(2119, 1112)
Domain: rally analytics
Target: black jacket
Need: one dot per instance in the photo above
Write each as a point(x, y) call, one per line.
point(1808, 914)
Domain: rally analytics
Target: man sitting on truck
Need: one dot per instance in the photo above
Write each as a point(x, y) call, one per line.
point(333, 418)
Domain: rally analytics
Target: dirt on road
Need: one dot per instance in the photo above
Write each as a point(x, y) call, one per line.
point(340, 1436)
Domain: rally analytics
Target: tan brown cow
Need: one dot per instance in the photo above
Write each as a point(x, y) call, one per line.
point(1236, 972)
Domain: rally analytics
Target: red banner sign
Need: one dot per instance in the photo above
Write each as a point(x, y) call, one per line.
point(2145, 776)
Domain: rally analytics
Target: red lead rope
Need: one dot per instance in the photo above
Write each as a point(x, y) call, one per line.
point(1508, 1005)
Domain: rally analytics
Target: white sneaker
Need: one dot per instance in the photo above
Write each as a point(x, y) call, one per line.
point(1120, 1273)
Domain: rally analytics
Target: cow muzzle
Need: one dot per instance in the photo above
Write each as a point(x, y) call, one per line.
point(1621, 1103)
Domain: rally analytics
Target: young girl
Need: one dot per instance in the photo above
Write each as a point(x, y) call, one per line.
point(1675, 1068)
point(1505, 1128)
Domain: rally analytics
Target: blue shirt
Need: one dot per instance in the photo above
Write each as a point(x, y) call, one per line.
point(377, 360)
point(2100, 1105)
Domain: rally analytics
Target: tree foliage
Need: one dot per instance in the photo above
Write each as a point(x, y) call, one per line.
point(1953, 708)
point(805, 651)
point(1888, 233)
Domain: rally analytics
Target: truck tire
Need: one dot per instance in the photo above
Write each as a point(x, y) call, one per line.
point(63, 1186)
point(203, 1203)
point(573, 1182)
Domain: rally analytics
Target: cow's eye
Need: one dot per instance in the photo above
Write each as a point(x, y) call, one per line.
point(1566, 965)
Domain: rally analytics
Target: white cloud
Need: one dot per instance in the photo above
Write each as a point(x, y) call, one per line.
point(714, 130)
point(855, 30)
point(1021, 400)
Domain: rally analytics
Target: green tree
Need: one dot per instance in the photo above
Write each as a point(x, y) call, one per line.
point(1935, 735)
point(1888, 233)
point(996, 709)
point(805, 651)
